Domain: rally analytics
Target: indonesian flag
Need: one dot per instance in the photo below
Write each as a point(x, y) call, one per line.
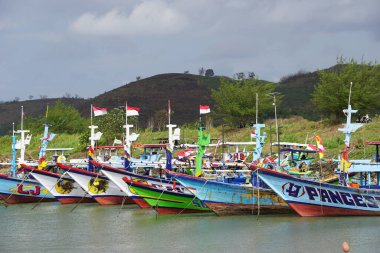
point(98, 111)
point(253, 135)
point(320, 146)
point(203, 109)
point(133, 111)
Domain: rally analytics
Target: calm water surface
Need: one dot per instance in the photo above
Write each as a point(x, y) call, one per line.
point(92, 228)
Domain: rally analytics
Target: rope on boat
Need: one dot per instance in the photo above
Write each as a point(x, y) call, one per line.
point(206, 181)
point(22, 181)
point(122, 204)
point(46, 193)
point(320, 185)
point(79, 202)
point(258, 194)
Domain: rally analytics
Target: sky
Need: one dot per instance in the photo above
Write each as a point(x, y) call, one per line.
point(56, 48)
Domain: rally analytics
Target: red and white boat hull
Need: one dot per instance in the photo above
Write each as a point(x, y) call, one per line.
point(116, 176)
point(309, 198)
point(65, 189)
point(99, 187)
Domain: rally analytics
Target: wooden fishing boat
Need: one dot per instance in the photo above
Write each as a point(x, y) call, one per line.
point(99, 187)
point(62, 187)
point(18, 187)
point(310, 198)
point(165, 201)
point(233, 199)
point(119, 176)
point(15, 190)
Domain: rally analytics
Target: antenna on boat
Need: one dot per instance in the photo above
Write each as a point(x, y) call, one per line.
point(257, 107)
point(274, 94)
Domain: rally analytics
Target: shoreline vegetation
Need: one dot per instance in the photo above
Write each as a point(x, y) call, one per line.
point(294, 129)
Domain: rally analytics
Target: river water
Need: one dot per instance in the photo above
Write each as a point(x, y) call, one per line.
point(51, 227)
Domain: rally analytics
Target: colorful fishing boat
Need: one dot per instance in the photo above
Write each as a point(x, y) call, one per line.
point(61, 186)
point(99, 187)
point(116, 175)
point(15, 190)
point(233, 199)
point(310, 198)
point(17, 187)
point(165, 201)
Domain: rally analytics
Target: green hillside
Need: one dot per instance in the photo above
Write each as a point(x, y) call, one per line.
point(295, 129)
point(185, 91)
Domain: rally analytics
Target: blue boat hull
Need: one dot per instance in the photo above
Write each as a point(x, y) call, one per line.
point(15, 191)
point(232, 199)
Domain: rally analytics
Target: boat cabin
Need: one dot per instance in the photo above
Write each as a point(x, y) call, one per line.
point(369, 172)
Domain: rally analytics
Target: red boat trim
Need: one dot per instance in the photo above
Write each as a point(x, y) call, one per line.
point(310, 210)
point(74, 200)
point(78, 170)
point(140, 202)
point(113, 200)
point(19, 199)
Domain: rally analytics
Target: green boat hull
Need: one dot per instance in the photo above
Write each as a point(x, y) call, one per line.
point(168, 202)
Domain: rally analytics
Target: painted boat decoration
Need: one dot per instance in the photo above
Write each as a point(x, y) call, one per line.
point(166, 201)
point(309, 198)
point(99, 187)
point(16, 190)
point(63, 188)
point(233, 199)
point(118, 176)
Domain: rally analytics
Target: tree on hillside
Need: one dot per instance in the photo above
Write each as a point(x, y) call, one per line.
point(201, 71)
point(160, 119)
point(332, 91)
point(65, 118)
point(236, 100)
point(111, 124)
point(62, 117)
point(209, 72)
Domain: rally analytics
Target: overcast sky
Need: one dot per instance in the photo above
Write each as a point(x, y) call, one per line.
point(87, 47)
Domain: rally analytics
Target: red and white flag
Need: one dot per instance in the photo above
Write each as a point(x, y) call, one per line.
point(98, 111)
point(203, 109)
point(133, 111)
point(311, 147)
point(253, 135)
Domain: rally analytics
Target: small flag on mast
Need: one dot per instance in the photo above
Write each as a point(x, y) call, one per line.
point(132, 111)
point(320, 146)
point(204, 109)
point(98, 111)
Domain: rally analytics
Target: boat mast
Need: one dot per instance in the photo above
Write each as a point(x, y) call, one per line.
point(14, 152)
point(259, 139)
point(22, 141)
point(349, 127)
point(170, 128)
point(46, 137)
point(92, 136)
point(127, 127)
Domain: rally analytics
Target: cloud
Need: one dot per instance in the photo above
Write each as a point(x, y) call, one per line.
point(147, 18)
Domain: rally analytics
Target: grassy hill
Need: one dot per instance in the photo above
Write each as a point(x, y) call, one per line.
point(185, 91)
point(295, 129)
